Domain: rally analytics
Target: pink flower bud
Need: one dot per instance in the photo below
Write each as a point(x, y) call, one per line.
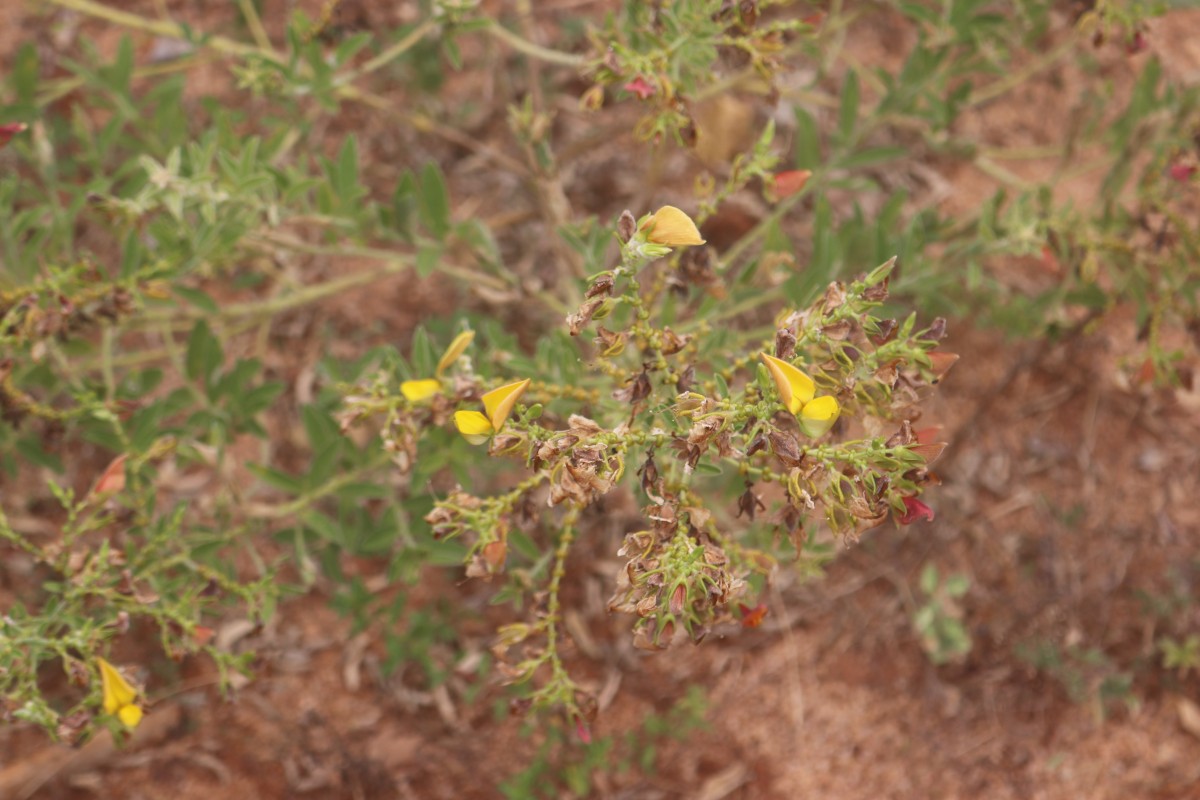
point(10, 130)
point(640, 87)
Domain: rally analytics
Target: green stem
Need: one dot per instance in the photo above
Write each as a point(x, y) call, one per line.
point(553, 601)
point(395, 51)
point(534, 50)
point(307, 499)
point(781, 209)
point(165, 29)
point(254, 23)
point(1017, 77)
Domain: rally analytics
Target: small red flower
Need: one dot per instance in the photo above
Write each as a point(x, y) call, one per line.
point(914, 510)
point(582, 731)
point(10, 130)
point(112, 480)
point(641, 87)
point(1136, 44)
point(1181, 173)
point(752, 617)
point(788, 182)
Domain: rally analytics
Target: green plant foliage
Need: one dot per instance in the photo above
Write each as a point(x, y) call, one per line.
point(153, 262)
point(938, 621)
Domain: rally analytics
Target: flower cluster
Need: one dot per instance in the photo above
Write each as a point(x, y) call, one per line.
point(818, 430)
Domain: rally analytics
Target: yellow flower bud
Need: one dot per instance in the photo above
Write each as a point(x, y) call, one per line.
point(456, 348)
point(671, 227)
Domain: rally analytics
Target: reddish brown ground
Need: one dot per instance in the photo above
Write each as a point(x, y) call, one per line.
point(1066, 494)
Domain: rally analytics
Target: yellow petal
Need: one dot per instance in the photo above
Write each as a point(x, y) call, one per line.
point(499, 402)
point(118, 694)
point(475, 427)
point(416, 391)
point(795, 388)
point(817, 417)
point(456, 348)
point(131, 715)
point(671, 227)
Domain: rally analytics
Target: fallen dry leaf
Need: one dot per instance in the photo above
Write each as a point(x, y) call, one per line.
point(1189, 716)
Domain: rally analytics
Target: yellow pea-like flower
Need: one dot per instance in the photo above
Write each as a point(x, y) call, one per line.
point(498, 404)
point(119, 695)
point(415, 391)
point(671, 227)
point(795, 388)
point(475, 427)
point(423, 389)
point(816, 415)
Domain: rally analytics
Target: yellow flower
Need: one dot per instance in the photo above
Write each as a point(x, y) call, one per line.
point(119, 695)
point(816, 415)
point(498, 403)
point(456, 349)
point(424, 388)
point(671, 227)
point(416, 391)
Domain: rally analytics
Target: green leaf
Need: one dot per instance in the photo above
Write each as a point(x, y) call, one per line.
point(346, 183)
point(424, 356)
point(353, 492)
point(929, 579)
point(323, 526)
point(204, 354)
point(523, 545)
point(24, 75)
point(350, 47)
point(434, 200)
point(322, 431)
point(957, 585)
point(429, 255)
point(31, 450)
point(871, 156)
point(808, 141)
point(260, 398)
point(322, 467)
point(404, 204)
point(280, 480)
point(848, 112)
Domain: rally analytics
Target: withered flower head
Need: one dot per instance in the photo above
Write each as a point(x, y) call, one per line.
point(626, 226)
point(786, 448)
point(785, 344)
point(750, 503)
point(636, 390)
point(603, 285)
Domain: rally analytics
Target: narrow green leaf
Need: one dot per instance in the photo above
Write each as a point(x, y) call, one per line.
point(872, 156)
point(204, 354)
point(808, 141)
point(197, 298)
point(848, 112)
point(434, 200)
